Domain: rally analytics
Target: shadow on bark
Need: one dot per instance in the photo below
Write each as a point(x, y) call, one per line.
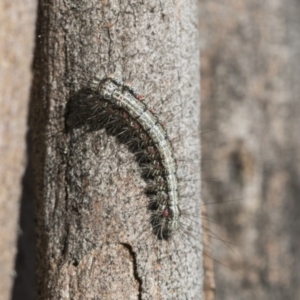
point(24, 286)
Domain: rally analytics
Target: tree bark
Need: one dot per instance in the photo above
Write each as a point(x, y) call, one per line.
point(250, 92)
point(16, 34)
point(94, 237)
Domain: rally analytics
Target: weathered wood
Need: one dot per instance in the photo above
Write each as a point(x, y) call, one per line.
point(16, 35)
point(94, 237)
point(250, 91)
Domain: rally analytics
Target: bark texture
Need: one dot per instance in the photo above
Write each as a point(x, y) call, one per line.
point(94, 237)
point(250, 92)
point(17, 20)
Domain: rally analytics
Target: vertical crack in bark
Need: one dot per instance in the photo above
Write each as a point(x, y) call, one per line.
point(135, 272)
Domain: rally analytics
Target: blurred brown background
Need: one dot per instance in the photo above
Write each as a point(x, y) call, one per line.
point(250, 54)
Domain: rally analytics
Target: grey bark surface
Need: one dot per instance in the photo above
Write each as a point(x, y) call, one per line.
point(250, 92)
point(94, 240)
point(17, 20)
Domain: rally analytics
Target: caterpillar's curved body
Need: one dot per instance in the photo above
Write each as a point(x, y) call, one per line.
point(119, 99)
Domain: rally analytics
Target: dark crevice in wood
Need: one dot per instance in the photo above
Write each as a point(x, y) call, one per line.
point(134, 264)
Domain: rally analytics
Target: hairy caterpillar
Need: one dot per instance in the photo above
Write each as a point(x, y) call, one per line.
point(155, 146)
point(175, 245)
